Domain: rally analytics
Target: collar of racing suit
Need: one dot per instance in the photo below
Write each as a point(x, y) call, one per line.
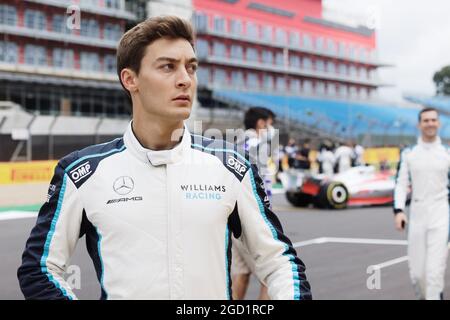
point(160, 157)
point(429, 144)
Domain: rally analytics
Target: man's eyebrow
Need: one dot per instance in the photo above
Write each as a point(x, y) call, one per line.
point(168, 59)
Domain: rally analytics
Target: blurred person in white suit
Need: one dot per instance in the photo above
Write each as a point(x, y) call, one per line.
point(425, 167)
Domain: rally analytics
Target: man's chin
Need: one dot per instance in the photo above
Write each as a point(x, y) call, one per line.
point(431, 135)
point(180, 115)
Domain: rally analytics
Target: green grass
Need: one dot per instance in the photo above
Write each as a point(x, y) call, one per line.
point(31, 207)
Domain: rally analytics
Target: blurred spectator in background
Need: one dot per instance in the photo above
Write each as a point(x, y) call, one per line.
point(358, 154)
point(344, 157)
point(281, 156)
point(302, 160)
point(290, 151)
point(257, 140)
point(384, 165)
point(326, 159)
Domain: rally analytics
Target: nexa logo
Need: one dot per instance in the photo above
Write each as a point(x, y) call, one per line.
point(236, 165)
point(80, 172)
point(125, 200)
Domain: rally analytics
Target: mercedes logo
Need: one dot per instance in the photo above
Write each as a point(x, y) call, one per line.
point(123, 185)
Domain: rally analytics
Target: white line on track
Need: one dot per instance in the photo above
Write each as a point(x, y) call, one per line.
point(393, 261)
point(278, 191)
point(385, 264)
point(390, 262)
point(13, 215)
point(350, 240)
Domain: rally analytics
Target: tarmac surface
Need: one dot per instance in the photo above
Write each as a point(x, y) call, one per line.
point(337, 247)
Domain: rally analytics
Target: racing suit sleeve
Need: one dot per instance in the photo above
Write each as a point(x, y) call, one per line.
point(448, 174)
point(276, 261)
point(401, 184)
point(52, 242)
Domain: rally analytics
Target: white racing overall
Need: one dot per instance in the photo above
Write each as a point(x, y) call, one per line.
point(425, 167)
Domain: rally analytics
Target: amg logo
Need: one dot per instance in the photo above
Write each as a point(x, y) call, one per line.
point(236, 165)
point(124, 200)
point(80, 172)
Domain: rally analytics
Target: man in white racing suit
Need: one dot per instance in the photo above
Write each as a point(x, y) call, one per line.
point(257, 141)
point(158, 206)
point(425, 168)
point(327, 159)
point(344, 155)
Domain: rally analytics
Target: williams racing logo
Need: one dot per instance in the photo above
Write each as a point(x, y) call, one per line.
point(123, 186)
point(236, 165)
point(203, 191)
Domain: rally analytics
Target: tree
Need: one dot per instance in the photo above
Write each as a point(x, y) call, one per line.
point(442, 81)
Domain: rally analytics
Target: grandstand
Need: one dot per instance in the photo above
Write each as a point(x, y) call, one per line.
point(370, 123)
point(318, 75)
point(442, 103)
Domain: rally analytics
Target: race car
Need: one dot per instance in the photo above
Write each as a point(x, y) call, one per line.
point(358, 186)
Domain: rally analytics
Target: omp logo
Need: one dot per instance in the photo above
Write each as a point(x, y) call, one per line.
point(125, 200)
point(236, 165)
point(80, 172)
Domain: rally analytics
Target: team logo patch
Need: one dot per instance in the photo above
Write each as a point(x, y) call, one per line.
point(51, 192)
point(80, 172)
point(139, 198)
point(238, 166)
point(123, 185)
point(203, 191)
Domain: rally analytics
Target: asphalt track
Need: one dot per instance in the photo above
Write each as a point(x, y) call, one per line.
point(337, 248)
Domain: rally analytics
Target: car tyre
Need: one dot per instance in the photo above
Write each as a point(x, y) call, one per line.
point(332, 195)
point(298, 199)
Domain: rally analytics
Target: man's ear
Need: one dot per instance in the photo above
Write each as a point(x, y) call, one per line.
point(129, 80)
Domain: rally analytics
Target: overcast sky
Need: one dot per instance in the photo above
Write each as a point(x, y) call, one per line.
point(413, 35)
